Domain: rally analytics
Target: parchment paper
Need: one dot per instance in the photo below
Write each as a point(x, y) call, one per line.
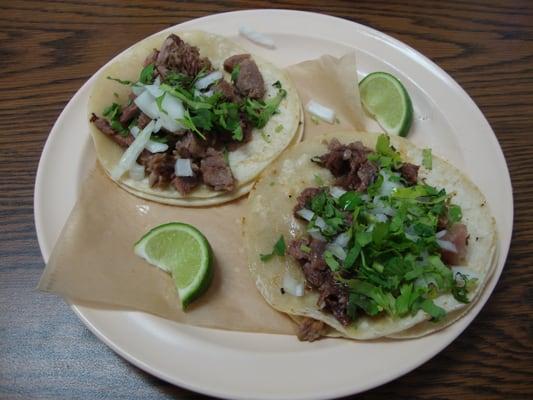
point(93, 259)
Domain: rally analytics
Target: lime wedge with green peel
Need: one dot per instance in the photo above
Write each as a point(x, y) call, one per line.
point(385, 99)
point(182, 250)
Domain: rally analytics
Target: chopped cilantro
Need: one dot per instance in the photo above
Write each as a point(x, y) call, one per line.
point(332, 263)
point(454, 213)
point(305, 249)
point(318, 180)
point(279, 128)
point(265, 137)
point(259, 112)
point(427, 159)
point(277, 84)
point(235, 73)
point(315, 120)
point(278, 249)
point(147, 74)
point(122, 82)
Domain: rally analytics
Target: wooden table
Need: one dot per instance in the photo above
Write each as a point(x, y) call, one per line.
point(49, 48)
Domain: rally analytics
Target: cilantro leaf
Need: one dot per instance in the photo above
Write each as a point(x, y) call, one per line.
point(278, 249)
point(427, 159)
point(122, 82)
point(147, 74)
point(454, 214)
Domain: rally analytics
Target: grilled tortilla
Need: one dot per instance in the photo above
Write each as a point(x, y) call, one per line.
point(246, 162)
point(270, 215)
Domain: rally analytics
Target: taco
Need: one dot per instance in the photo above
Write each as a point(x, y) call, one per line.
point(190, 118)
point(371, 239)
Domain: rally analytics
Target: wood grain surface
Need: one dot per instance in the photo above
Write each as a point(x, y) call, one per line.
point(49, 48)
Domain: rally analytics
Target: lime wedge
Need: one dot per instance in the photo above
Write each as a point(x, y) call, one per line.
point(182, 250)
point(385, 99)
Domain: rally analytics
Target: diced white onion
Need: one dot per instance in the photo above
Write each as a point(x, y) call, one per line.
point(152, 146)
point(135, 130)
point(156, 147)
point(154, 90)
point(256, 37)
point(320, 223)
point(315, 234)
point(465, 271)
point(137, 89)
point(146, 102)
point(336, 191)
point(440, 234)
point(306, 214)
point(158, 125)
point(130, 155)
point(173, 106)
point(183, 167)
point(337, 251)
point(381, 217)
point(365, 197)
point(446, 245)
point(411, 235)
point(388, 186)
point(136, 172)
point(320, 111)
point(292, 286)
point(343, 239)
point(208, 80)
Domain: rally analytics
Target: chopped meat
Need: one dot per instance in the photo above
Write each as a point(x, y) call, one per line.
point(151, 59)
point(160, 169)
point(190, 146)
point(228, 91)
point(185, 184)
point(249, 82)
point(178, 56)
point(303, 200)
point(128, 113)
point(310, 329)
point(143, 120)
point(349, 164)
point(232, 61)
point(409, 173)
point(105, 128)
point(295, 249)
point(366, 173)
point(215, 172)
point(333, 297)
point(457, 234)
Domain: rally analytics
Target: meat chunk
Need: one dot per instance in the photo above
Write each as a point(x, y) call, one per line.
point(215, 172)
point(458, 236)
point(176, 55)
point(190, 146)
point(227, 91)
point(231, 62)
point(310, 329)
point(143, 120)
point(105, 128)
point(410, 173)
point(160, 169)
point(349, 164)
point(151, 59)
point(185, 184)
point(333, 297)
point(128, 113)
point(249, 82)
point(304, 198)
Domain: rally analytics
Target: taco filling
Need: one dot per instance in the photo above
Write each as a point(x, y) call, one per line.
point(379, 241)
point(184, 116)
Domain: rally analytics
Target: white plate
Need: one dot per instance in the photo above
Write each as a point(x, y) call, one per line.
point(259, 366)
